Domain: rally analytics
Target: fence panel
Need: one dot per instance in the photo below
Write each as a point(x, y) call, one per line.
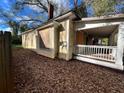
point(5, 59)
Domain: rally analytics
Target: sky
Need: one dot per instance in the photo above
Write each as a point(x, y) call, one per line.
point(5, 5)
point(27, 11)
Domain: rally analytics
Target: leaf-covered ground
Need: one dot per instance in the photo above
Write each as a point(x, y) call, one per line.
point(33, 73)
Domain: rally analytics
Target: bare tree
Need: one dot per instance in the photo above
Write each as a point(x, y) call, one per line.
point(75, 3)
point(42, 5)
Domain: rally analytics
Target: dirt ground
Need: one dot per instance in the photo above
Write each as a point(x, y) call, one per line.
point(33, 73)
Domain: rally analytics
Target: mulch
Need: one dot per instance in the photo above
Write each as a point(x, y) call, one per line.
point(33, 73)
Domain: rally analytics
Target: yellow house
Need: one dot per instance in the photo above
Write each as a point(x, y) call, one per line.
point(97, 40)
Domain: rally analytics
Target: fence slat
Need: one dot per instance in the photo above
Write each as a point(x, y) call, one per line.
point(7, 41)
point(1, 62)
point(5, 58)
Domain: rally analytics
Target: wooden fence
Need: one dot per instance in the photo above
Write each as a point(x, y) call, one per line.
point(5, 59)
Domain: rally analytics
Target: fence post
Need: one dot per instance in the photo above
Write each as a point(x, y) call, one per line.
point(5, 59)
point(1, 63)
point(7, 41)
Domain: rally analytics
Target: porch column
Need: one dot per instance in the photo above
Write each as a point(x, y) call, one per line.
point(70, 39)
point(120, 46)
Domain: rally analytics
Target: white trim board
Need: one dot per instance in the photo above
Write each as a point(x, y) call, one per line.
point(102, 63)
point(80, 26)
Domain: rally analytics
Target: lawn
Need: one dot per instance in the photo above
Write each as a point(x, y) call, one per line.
point(33, 73)
point(16, 46)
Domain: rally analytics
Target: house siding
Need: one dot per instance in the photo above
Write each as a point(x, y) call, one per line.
point(46, 38)
point(29, 40)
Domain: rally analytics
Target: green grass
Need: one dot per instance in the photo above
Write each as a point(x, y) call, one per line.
point(16, 46)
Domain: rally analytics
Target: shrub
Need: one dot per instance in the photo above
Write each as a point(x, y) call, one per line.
point(16, 40)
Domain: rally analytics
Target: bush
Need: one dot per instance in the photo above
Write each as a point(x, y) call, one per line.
point(16, 40)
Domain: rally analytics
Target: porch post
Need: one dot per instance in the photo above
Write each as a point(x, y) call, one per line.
point(70, 39)
point(120, 46)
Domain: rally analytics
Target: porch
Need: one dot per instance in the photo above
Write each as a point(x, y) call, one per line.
point(100, 46)
point(105, 53)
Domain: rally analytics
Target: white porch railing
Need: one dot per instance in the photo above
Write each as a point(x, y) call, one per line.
point(106, 53)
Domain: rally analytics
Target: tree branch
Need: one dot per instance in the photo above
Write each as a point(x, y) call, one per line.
point(43, 6)
point(30, 3)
